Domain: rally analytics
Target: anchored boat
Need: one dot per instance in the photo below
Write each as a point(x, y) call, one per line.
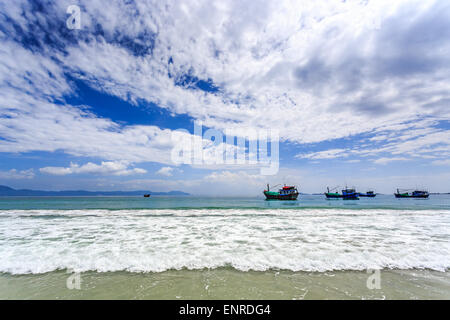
point(285, 193)
point(369, 194)
point(350, 194)
point(332, 195)
point(347, 194)
point(413, 194)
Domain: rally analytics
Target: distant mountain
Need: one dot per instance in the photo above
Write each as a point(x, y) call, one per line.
point(7, 191)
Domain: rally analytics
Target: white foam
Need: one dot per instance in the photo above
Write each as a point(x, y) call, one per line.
point(38, 241)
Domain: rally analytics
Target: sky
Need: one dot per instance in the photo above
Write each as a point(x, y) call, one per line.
point(358, 93)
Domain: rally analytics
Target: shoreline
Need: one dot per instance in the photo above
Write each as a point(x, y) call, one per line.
point(227, 283)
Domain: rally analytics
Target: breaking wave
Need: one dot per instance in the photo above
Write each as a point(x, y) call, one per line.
point(39, 241)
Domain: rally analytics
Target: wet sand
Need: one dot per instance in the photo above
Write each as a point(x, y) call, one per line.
point(227, 283)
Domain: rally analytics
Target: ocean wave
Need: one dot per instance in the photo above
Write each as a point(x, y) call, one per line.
point(39, 241)
point(291, 207)
point(205, 212)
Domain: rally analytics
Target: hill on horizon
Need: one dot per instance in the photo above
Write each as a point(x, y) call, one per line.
point(7, 191)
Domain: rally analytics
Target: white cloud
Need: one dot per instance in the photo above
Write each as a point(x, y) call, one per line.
point(262, 74)
point(413, 139)
point(117, 168)
point(326, 154)
point(165, 171)
point(316, 71)
point(17, 174)
point(236, 178)
point(445, 162)
point(387, 160)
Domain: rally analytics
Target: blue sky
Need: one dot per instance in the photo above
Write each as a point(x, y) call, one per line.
point(359, 92)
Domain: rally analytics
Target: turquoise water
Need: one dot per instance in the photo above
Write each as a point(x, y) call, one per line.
point(205, 247)
point(43, 234)
point(438, 202)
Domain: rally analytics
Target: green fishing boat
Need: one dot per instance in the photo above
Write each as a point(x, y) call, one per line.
point(285, 193)
point(413, 194)
point(332, 195)
point(347, 194)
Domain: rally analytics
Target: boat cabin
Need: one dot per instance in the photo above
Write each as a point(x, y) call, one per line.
point(287, 190)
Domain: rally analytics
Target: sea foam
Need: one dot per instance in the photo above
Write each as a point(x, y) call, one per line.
point(38, 241)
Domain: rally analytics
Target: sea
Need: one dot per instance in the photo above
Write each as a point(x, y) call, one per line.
point(190, 247)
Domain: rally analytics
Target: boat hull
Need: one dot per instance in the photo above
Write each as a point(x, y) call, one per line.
point(271, 196)
point(333, 196)
point(422, 196)
point(367, 195)
point(352, 196)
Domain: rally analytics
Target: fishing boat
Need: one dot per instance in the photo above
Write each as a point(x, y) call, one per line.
point(285, 193)
point(369, 194)
point(347, 194)
point(350, 194)
point(332, 195)
point(413, 194)
point(147, 195)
